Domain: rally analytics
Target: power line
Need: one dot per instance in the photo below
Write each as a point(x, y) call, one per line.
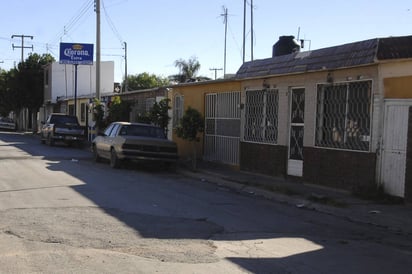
point(68, 27)
point(111, 24)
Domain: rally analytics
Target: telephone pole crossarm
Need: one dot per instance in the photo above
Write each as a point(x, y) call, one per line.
point(22, 47)
point(216, 69)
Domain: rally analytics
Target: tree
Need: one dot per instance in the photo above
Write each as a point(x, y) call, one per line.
point(190, 126)
point(23, 87)
point(98, 115)
point(187, 70)
point(118, 110)
point(145, 81)
point(7, 103)
point(31, 74)
point(158, 115)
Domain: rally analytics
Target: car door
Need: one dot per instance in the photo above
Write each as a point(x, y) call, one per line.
point(101, 142)
point(110, 138)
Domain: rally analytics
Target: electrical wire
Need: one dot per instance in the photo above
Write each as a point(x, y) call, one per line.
point(71, 24)
point(111, 24)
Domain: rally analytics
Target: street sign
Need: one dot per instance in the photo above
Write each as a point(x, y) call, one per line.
point(76, 54)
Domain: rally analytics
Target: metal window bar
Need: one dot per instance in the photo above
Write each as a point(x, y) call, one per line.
point(343, 115)
point(178, 110)
point(261, 116)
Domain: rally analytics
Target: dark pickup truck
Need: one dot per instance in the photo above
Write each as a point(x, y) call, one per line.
point(63, 128)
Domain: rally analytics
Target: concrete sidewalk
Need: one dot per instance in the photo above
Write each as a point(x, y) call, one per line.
point(395, 217)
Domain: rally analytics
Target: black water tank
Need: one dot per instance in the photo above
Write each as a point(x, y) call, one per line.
point(285, 45)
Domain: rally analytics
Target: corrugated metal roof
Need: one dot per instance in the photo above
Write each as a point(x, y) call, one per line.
point(343, 56)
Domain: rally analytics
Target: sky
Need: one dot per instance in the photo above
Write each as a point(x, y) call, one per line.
point(159, 32)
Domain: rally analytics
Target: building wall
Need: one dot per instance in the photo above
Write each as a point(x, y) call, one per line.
point(61, 80)
point(332, 167)
point(408, 174)
point(347, 170)
point(398, 87)
point(254, 158)
point(194, 97)
point(138, 100)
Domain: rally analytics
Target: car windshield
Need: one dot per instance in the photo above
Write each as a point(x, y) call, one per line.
point(145, 131)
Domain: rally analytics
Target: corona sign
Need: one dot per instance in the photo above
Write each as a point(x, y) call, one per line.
point(76, 54)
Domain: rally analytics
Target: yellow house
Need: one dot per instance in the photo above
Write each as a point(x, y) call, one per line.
point(219, 103)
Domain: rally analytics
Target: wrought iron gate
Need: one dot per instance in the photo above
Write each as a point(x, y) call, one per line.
point(222, 127)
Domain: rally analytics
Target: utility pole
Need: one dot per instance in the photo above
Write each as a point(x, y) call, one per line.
point(97, 9)
point(225, 22)
point(125, 66)
point(244, 29)
point(251, 31)
point(215, 69)
point(22, 47)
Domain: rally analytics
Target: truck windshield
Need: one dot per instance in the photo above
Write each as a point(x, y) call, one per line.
point(63, 120)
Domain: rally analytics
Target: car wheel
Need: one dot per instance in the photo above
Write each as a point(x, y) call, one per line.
point(96, 156)
point(114, 160)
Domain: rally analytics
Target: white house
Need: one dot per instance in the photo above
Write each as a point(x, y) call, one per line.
point(59, 87)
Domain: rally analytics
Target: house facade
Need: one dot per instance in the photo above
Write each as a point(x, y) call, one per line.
point(219, 103)
point(142, 101)
point(336, 116)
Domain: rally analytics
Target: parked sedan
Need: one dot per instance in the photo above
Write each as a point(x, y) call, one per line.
point(133, 141)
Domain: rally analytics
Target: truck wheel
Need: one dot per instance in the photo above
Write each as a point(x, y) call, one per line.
point(114, 160)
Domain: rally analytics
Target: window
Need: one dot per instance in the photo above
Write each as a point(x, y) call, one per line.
point(343, 115)
point(71, 110)
point(82, 112)
point(178, 107)
point(113, 133)
point(46, 77)
point(108, 130)
point(261, 116)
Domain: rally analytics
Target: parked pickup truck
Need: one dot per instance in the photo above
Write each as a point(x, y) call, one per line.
point(62, 128)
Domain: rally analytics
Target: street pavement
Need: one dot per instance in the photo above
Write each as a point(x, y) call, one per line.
point(396, 217)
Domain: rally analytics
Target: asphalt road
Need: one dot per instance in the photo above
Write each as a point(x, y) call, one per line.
point(62, 213)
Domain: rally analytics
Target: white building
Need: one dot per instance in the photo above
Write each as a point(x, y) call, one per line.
point(59, 88)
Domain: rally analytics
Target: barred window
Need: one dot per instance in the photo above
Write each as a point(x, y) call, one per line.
point(178, 107)
point(343, 115)
point(261, 116)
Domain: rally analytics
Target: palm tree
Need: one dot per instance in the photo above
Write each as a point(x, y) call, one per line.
point(188, 69)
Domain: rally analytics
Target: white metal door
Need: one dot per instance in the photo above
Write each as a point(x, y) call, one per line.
point(222, 127)
point(297, 110)
point(394, 147)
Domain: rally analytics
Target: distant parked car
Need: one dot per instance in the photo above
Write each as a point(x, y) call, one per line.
point(133, 141)
point(7, 124)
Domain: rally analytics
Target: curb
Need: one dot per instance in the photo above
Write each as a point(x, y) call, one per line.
point(300, 202)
